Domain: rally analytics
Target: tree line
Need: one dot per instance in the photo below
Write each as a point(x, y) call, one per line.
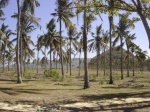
point(61, 47)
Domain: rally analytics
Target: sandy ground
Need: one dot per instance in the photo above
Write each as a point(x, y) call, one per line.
point(99, 105)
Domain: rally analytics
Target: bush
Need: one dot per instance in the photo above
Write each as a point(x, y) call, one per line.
point(27, 74)
point(52, 73)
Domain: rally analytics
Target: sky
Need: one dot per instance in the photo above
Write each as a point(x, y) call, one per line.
point(48, 6)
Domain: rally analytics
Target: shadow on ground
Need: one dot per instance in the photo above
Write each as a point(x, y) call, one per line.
point(112, 95)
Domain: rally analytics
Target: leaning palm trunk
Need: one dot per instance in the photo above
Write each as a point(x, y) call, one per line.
point(61, 57)
point(86, 77)
point(110, 56)
point(121, 60)
point(19, 80)
point(145, 23)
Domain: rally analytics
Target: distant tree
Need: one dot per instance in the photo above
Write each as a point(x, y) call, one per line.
point(73, 35)
point(64, 13)
point(96, 42)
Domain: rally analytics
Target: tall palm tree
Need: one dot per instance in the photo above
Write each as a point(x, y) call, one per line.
point(39, 45)
point(73, 35)
point(51, 35)
point(86, 77)
point(96, 42)
point(63, 14)
point(19, 79)
point(141, 56)
point(80, 49)
point(128, 40)
point(111, 4)
point(106, 41)
point(121, 31)
point(133, 49)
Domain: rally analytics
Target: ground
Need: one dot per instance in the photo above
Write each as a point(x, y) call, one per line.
point(47, 92)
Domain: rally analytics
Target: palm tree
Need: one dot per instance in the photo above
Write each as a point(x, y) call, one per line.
point(111, 4)
point(38, 47)
point(73, 35)
point(19, 79)
point(96, 42)
point(121, 31)
point(133, 49)
point(106, 41)
point(80, 49)
point(141, 56)
point(51, 35)
point(63, 14)
point(86, 77)
point(129, 44)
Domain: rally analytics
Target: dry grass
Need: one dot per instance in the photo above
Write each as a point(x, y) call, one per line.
point(40, 89)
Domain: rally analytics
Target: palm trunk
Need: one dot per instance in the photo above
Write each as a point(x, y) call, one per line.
point(133, 63)
point(19, 80)
point(128, 62)
point(50, 59)
point(70, 60)
point(38, 62)
point(79, 62)
point(121, 60)
point(21, 52)
point(67, 65)
point(45, 60)
point(8, 63)
point(61, 57)
point(110, 56)
point(4, 60)
point(104, 63)
point(86, 77)
point(98, 58)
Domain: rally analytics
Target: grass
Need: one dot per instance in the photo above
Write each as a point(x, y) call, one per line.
point(40, 89)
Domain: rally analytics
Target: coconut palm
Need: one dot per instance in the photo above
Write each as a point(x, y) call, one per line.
point(128, 40)
point(19, 79)
point(63, 14)
point(38, 47)
point(121, 31)
point(110, 17)
point(133, 50)
point(73, 35)
point(105, 38)
point(96, 42)
point(80, 49)
point(51, 35)
point(141, 56)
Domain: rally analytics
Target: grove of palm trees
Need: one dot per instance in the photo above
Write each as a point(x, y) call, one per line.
point(74, 55)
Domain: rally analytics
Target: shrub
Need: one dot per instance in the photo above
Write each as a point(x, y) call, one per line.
point(27, 74)
point(52, 73)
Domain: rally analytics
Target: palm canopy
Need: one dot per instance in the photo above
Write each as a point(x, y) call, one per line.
point(72, 38)
point(96, 41)
point(63, 12)
point(30, 5)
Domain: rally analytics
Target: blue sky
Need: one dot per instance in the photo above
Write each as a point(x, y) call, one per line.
point(47, 7)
